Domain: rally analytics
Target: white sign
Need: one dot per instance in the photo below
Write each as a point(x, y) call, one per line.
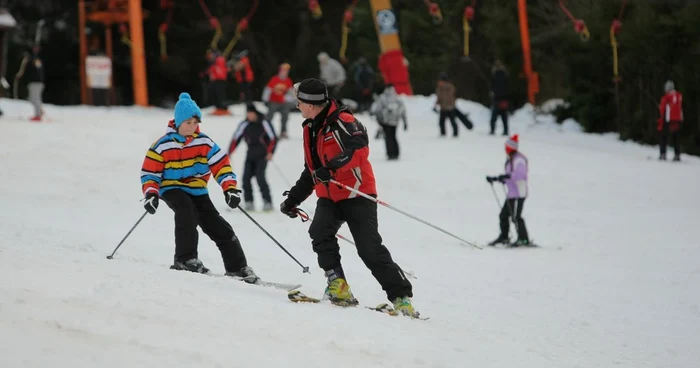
point(99, 72)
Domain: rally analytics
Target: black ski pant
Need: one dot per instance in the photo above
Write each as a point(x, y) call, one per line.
point(361, 217)
point(497, 112)
point(452, 114)
point(218, 93)
point(191, 211)
point(255, 167)
point(513, 208)
point(392, 145)
point(667, 133)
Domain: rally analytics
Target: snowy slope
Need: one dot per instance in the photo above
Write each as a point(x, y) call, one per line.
point(614, 285)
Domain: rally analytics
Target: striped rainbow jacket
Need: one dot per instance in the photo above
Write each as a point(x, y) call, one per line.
point(185, 163)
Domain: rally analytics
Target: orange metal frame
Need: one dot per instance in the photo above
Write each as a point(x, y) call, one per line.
point(117, 12)
point(533, 80)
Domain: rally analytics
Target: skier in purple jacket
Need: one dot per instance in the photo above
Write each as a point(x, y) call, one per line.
point(515, 179)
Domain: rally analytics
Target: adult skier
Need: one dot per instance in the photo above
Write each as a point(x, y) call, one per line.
point(515, 179)
point(33, 66)
point(260, 137)
point(177, 168)
point(389, 109)
point(336, 148)
point(447, 100)
point(669, 124)
point(499, 93)
point(279, 97)
point(332, 73)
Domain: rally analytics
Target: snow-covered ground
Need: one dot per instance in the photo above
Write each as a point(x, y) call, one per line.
point(614, 285)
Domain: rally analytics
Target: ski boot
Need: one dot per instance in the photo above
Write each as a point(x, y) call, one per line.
point(338, 291)
point(192, 265)
point(267, 207)
point(249, 206)
point(500, 240)
point(405, 307)
point(246, 274)
point(676, 158)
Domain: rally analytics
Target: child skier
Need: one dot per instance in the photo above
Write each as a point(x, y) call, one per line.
point(515, 179)
point(261, 140)
point(389, 109)
point(177, 168)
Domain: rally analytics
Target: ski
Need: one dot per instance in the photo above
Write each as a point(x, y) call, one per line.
point(297, 296)
point(261, 282)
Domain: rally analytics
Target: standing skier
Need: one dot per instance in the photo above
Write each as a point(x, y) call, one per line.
point(499, 93)
point(336, 148)
point(261, 140)
point(177, 168)
point(671, 111)
point(279, 97)
point(389, 109)
point(515, 180)
point(33, 65)
point(447, 100)
point(332, 73)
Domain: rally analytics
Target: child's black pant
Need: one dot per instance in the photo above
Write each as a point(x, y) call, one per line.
point(255, 168)
point(191, 211)
point(392, 145)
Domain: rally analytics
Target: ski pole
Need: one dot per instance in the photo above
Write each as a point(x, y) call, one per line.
point(304, 268)
point(127, 235)
point(305, 217)
point(279, 170)
point(380, 202)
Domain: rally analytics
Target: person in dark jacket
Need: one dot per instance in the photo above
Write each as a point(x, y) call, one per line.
point(364, 82)
point(447, 101)
point(499, 93)
point(336, 151)
point(33, 67)
point(260, 137)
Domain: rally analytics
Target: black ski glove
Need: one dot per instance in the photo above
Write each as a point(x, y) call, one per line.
point(503, 178)
point(289, 208)
point(233, 197)
point(323, 174)
point(491, 179)
point(151, 204)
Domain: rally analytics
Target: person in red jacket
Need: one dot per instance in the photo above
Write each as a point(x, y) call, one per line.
point(336, 147)
point(279, 98)
point(217, 72)
point(671, 112)
point(244, 75)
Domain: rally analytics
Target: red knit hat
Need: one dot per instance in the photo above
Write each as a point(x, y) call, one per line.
point(512, 144)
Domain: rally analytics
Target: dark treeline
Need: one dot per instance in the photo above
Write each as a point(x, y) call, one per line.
point(659, 40)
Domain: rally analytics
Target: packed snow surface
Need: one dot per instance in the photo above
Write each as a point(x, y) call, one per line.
point(615, 283)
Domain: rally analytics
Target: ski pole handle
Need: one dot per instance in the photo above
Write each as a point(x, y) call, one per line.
point(380, 202)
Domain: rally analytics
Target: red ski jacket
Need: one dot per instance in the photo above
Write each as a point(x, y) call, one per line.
point(218, 70)
point(245, 74)
point(670, 109)
point(337, 140)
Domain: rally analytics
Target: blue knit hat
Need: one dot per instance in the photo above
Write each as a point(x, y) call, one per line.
point(186, 108)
